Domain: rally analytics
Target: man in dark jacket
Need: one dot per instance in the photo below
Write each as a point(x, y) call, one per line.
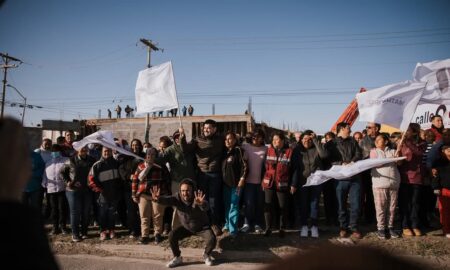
point(344, 151)
point(192, 211)
point(366, 144)
point(209, 150)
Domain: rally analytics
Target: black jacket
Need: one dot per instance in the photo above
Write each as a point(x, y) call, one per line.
point(75, 170)
point(443, 178)
point(234, 167)
point(310, 159)
point(344, 151)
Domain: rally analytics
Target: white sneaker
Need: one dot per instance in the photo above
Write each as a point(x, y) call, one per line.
point(245, 228)
point(209, 260)
point(304, 231)
point(176, 261)
point(447, 235)
point(258, 229)
point(314, 232)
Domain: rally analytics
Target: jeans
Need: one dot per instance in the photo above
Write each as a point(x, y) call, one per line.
point(409, 203)
point(348, 189)
point(79, 207)
point(133, 219)
point(254, 200)
point(309, 204)
point(181, 232)
point(269, 195)
point(211, 185)
point(231, 202)
point(107, 215)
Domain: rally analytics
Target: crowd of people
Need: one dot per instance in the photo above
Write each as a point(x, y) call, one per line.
point(224, 184)
point(129, 112)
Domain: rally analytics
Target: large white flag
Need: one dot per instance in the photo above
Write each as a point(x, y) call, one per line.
point(343, 172)
point(155, 89)
point(436, 76)
point(393, 105)
point(105, 138)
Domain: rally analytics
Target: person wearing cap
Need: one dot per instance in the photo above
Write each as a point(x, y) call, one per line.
point(192, 208)
point(148, 175)
point(181, 166)
point(209, 149)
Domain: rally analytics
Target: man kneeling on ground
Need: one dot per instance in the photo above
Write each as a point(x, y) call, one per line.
point(192, 212)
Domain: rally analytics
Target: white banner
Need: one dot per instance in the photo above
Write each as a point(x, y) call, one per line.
point(105, 138)
point(344, 172)
point(155, 89)
point(393, 105)
point(424, 112)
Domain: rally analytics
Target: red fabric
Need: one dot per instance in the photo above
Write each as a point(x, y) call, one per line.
point(277, 168)
point(444, 209)
point(436, 133)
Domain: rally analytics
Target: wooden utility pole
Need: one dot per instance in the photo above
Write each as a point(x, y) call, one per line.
point(6, 59)
point(150, 47)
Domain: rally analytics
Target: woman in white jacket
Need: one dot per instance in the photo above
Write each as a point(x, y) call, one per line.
point(385, 185)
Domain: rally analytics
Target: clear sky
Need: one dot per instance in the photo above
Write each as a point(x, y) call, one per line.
point(301, 62)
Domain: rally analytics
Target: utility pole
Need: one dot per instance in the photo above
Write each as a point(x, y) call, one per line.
point(150, 47)
point(6, 59)
point(24, 99)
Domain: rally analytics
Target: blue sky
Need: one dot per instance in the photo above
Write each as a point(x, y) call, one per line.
point(301, 62)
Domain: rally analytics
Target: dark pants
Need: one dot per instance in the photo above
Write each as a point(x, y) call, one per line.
point(211, 185)
point(367, 200)
point(180, 233)
point(409, 202)
point(34, 199)
point(309, 204)
point(254, 201)
point(348, 189)
point(107, 215)
point(269, 208)
point(330, 201)
point(59, 209)
point(133, 218)
point(80, 208)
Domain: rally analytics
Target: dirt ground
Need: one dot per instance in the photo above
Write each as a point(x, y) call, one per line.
point(433, 244)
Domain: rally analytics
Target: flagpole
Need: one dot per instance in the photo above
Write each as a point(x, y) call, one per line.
point(176, 94)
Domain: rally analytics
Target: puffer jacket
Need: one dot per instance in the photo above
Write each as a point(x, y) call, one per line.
point(104, 178)
point(385, 176)
point(52, 179)
point(311, 160)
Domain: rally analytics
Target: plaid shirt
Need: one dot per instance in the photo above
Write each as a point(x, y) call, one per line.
point(156, 176)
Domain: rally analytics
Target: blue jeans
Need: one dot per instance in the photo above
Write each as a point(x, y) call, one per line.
point(79, 207)
point(231, 201)
point(309, 204)
point(254, 201)
point(107, 215)
point(344, 189)
point(211, 185)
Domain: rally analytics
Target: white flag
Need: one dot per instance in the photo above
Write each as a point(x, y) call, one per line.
point(436, 76)
point(105, 138)
point(343, 172)
point(393, 105)
point(155, 89)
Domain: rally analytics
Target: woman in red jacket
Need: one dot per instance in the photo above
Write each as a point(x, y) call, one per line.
point(277, 180)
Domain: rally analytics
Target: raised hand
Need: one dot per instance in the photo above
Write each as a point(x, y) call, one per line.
point(155, 193)
point(199, 197)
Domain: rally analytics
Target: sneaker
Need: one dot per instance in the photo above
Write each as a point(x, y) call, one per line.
point(447, 235)
point(304, 231)
point(112, 234)
point(258, 229)
point(356, 235)
point(225, 230)
point(84, 236)
point(342, 233)
point(144, 240)
point(165, 232)
point(176, 261)
point(209, 260)
point(314, 232)
point(158, 238)
point(103, 236)
point(245, 228)
point(216, 230)
point(393, 234)
point(407, 232)
point(64, 231)
point(417, 232)
point(381, 234)
point(76, 238)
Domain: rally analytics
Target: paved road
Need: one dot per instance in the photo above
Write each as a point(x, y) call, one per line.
point(87, 262)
